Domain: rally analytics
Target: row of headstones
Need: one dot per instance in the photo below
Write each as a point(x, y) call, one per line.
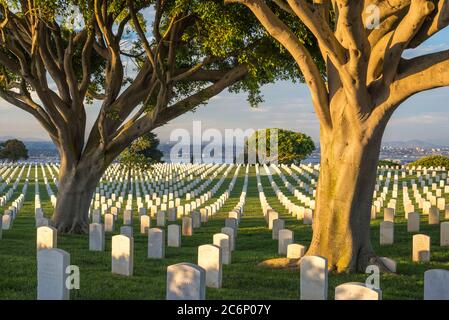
point(8, 175)
point(39, 215)
point(428, 207)
point(210, 257)
point(51, 195)
point(186, 281)
point(433, 215)
point(44, 169)
point(303, 198)
point(420, 242)
point(300, 212)
point(9, 194)
point(188, 222)
point(284, 236)
point(129, 205)
point(308, 188)
point(53, 263)
point(191, 189)
point(301, 184)
point(181, 213)
point(7, 219)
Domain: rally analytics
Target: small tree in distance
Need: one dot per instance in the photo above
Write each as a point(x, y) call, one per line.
point(142, 153)
point(293, 147)
point(13, 150)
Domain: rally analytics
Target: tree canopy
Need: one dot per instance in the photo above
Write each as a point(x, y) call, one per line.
point(142, 153)
point(431, 161)
point(13, 150)
point(292, 147)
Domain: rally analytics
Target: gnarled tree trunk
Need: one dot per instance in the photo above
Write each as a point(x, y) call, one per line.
point(341, 227)
point(77, 183)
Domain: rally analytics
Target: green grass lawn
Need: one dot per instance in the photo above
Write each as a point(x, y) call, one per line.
point(243, 279)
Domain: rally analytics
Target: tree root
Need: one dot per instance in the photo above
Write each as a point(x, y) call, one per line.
point(373, 260)
point(75, 228)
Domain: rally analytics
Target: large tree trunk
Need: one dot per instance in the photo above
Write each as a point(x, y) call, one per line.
point(341, 227)
point(77, 183)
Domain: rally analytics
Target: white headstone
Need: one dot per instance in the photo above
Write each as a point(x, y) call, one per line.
point(278, 225)
point(186, 281)
point(96, 237)
point(209, 258)
point(231, 233)
point(386, 233)
point(174, 236)
point(46, 238)
point(413, 222)
point(434, 216)
point(156, 243)
point(389, 214)
point(145, 224)
point(160, 219)
point(122, 255)
point(127, 217)
point(272, 215)
point(7, 221)
point(444, 234)
point(421, 248)
point(127, 231)
point(356, 291)
point(285, 239)
point(109, 222)
point(436, 284)
point(295, 251)
point(51, 274)
point(222, 241)
point(187, 228)
point(313, 285)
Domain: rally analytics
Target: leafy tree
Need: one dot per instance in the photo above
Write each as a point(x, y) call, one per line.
point(431, 161)
point(366, 80)
point(388, 163)
point(142, 63)
point(13, 150)
point(292, 147)
point(142, 153)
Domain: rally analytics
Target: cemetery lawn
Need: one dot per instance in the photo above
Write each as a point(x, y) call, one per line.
point(243, 279)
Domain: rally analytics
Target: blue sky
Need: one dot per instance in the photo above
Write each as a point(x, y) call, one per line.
point(287, 105)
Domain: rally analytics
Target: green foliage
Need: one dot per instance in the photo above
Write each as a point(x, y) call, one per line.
point(432, 161)
point(292, 146)
point(13, 150)
point(142, 153)
point(388, 163)
point(232, 35)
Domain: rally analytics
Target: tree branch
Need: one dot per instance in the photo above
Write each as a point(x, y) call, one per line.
point(404, 33)
point(278, 30)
